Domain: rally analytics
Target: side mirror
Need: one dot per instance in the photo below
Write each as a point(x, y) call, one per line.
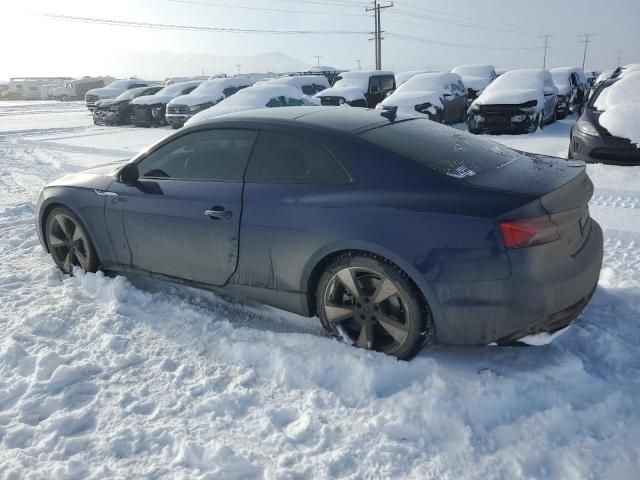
point(129, 174)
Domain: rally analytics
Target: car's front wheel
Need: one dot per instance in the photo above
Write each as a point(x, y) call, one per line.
point(69, 242)
point(370, 303)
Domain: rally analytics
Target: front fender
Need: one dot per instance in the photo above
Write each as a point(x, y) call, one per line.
point(87, 205)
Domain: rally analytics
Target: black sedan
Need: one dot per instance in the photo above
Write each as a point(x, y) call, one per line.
point(118, 111)
point(592, 143)
point(396, 231)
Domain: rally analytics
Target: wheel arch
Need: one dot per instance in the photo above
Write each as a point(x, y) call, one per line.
point(323, 258)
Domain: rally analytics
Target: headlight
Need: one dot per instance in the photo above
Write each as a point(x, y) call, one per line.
point(424, 108)
point(197, 108)
point(587, 127)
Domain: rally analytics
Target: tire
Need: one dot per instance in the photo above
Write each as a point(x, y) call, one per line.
point(68, 241)
point(347, 307)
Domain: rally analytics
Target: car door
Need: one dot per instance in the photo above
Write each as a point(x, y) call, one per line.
point(182, 217)
point(373, 94)
point(550, 97)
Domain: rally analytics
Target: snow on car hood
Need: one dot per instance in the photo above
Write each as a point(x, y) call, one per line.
point(510, 96)
point(348, 93)
point(105, 92)
point(410, 99)
point(620, 104)
point(152, 99)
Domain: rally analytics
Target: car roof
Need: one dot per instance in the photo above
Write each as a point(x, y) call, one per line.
point(343, 119)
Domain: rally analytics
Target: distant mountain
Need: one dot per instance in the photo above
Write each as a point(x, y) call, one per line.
point(160, 65)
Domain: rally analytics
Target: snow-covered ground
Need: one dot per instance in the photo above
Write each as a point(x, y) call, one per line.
point(113, 378)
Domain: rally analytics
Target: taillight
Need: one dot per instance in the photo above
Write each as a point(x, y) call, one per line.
point(528, 232)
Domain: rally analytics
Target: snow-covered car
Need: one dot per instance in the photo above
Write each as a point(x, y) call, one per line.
point(262, 95)
point(625, 70)
point(476, 78)
point(608, 131)
point(518, 101)
point(579, 84)
point(206, 95)
point(440, 96)
point(563, 81)
point(111, 91)
point(118, 111)
point(149, 111)
point(361, 88)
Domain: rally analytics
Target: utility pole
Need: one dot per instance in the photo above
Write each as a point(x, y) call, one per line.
point(619, 52)
point(238, 65)
point(317, 57)
point(377, 34)
point(359, 64)
point(546, 37)
point(586, 40)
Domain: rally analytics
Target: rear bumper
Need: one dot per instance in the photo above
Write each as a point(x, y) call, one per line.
point(547, 290)
point(611, 150)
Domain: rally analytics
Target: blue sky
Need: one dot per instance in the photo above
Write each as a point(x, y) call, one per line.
point(486, 31)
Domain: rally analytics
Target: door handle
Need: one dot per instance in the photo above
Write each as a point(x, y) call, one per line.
point(218, 212)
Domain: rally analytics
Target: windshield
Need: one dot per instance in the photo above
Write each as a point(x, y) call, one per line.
point(561, 79)
point(119, 84)
point(517, 80)
point(450, 152)
point(598, 91)
point(173, 90)
point(129, 94)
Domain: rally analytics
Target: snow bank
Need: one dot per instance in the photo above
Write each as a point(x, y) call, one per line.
point(515, 87)
point(166, 94)
point(257, 96)
point(210, 91)
point(620, 104)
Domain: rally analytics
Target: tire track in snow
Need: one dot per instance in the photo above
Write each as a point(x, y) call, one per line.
point(616, 198)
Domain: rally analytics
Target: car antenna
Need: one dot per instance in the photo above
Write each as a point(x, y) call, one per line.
point(390, 112)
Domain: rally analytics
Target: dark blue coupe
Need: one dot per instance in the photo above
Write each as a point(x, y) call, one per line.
point(395, 231)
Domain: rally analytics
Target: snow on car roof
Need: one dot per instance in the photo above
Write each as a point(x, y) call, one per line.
point(627, 69)
point(404, 76)
point(257, 96)
point(219, 84)
point(359, 78)
point(577, 70)
point(439, 82)
point(299, 81)
point(479, 70)
point(620, 104)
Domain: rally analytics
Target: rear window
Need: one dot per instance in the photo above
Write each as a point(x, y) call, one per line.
point(441, 148)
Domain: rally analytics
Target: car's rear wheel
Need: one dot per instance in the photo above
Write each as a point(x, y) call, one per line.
point(69, 242)
point(370, 303)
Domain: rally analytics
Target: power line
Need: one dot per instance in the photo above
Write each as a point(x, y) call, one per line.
point(586, 41)
point(164, 26)
point(458, 45)
point(405, 4)
point(546, 37)
point(332, 3)
point(452, 22)
point(264, 9)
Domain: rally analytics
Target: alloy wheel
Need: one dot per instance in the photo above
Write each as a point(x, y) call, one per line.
point(367, 309)
point(68, 243)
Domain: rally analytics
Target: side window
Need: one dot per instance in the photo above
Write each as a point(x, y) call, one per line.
point(188, 90)
point(318, 88)
point(387, 83)
point(218, 155)
point(374, 84)
point(229, 91)
point(308, 89)
point(275, 102)
point(286, 159)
